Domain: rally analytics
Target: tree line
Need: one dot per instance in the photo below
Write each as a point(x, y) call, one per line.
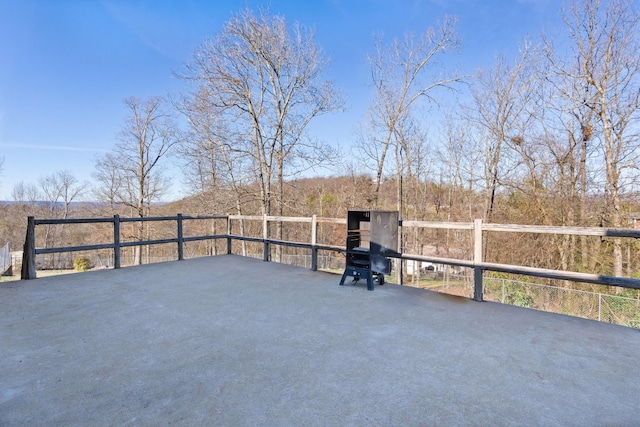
point(547, 137)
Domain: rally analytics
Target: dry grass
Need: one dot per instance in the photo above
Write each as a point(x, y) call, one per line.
point(39, 273)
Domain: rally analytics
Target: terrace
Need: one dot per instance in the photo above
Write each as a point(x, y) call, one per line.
point(231, 340)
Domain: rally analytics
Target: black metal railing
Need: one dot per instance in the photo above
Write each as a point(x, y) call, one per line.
point(477, 228)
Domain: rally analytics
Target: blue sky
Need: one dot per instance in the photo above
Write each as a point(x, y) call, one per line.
point(66, 65)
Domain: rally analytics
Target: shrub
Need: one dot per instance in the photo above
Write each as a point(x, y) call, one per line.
point(82, 263)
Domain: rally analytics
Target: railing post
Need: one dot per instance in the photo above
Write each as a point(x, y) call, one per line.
point(314, 237)
point(29, 251)
point(116, 241)
point(265, 236)
point(229, 251)
point(400, 265)
point(214, 243)
point(599, 307)
point(180, 238)
point(477, 260)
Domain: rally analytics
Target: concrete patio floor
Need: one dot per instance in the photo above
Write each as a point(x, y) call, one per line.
point(235, 341)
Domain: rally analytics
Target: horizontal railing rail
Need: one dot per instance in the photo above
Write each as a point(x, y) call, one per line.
point(477, 227)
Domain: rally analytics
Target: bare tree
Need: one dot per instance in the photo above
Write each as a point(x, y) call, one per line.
point(562, 143)
point(132, 173)
point(110, 178)
point(25, 193)
point(399, 75)
point(262, 83)
point(265, 82)
point(218, 173)
point(604, 60)
point(459, 161)
point(212, 163)
point(59, 190)
point(500, 111)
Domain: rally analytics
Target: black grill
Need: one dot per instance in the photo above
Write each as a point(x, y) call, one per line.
point(372, 236)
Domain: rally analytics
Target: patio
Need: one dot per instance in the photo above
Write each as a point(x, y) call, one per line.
point(228, 340)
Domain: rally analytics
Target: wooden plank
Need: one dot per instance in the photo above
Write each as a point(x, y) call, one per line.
point(302, 219)
point(436, 260)
point(272, 218)
point(331, 248)
point(210, 237)
point(58, 221)
point(246, 238)
point(328, 220)
point(150, 219)
point(246, 217)
point(148, 242)
point(288, 243)
point(73, 248)
point(564, 275)
point(439, 225)
point(577, 231)
point(205, 217)
point(72, 221)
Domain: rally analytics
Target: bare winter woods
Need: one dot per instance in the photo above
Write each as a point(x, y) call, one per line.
point(548, 137)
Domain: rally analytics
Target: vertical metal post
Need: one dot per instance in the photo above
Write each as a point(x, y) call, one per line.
point(229, 251)
point(180, 239)
point(477, 260)
point(599, 307)
point(116, 241)
point(444, 276)
point(314, 237)
point(29, 251)
point(265, 236)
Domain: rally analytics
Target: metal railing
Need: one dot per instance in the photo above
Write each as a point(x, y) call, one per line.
point(477, 227)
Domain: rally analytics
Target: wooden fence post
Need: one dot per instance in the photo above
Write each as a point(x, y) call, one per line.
point(265, 236)
point(29, 252)
point(477, 260)
point(116, 241)
point(400, 263)
point(180, 238)
point(229, 248)
point(314, 238)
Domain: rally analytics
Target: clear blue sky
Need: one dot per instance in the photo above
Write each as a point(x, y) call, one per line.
point(66, 65)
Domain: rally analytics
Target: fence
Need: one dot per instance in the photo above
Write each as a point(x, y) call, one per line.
point(574, 302)
point(477, 228)
point(606, 308)
point(31, 252)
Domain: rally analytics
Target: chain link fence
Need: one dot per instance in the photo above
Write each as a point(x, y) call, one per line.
point(607, 308)
point(617, 309)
